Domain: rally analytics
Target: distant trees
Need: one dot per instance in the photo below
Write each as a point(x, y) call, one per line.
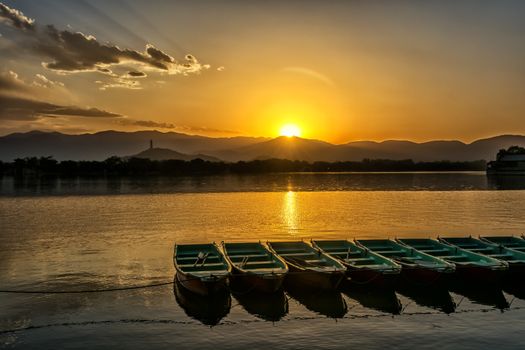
point(511, 150)
point(115, 166)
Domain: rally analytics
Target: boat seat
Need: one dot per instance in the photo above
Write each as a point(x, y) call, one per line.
point(360, 261)
point(433, 250)
point(500, 256)
point(456, 258)
point(481, 250)
point(246, 255)
point(259, 265)
point(376, 266)
point(304, 254)
point(390, 252)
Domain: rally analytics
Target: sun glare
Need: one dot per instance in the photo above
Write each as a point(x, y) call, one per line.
point(290, 130)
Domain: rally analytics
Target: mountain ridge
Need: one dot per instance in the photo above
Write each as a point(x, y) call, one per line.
point(104, 144)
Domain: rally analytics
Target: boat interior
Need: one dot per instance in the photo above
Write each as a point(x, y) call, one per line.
point(199, 257)
point(302, 254)
point(494, 251)
point(511, 242)
point(351, 254)
point(252, 256)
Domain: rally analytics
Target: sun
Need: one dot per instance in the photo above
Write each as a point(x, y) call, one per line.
point(290, 130)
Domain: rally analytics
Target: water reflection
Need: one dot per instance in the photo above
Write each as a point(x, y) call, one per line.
point(291, 183)
point(289, 214)
point(384, 301)
point(327, 303)
point(269, 307)
point(435, 298)
point(483, 295)
point(209, 310)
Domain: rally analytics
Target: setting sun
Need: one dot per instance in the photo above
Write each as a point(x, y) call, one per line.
point(290, 130)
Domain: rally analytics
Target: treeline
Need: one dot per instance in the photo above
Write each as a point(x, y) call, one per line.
point(115, 166)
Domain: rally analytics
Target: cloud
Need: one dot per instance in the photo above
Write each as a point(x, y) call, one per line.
point(147, 123)
point(9, 81)
point(120, 83)
point(136, 74)
point(15, 18)
point(310, 73)
point(22, 108)
point(42, 81)
point(72, 52)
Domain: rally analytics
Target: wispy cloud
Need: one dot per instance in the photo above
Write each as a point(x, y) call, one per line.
point(15, 18)
point(310, 73)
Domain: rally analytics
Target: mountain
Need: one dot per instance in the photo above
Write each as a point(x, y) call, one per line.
point(101, 145)
point(168, 154)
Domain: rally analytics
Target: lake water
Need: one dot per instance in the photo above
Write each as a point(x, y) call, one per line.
point(93, 234)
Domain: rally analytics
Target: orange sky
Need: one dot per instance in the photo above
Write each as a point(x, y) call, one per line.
point(339, 70)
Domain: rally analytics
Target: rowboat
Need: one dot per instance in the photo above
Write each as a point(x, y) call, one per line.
point(418, 268)
point(201, 268)
point(309, 266)
point(501, 258)
point(255, 268)
point(469, 265)
point(362, 265)
point(511, 242)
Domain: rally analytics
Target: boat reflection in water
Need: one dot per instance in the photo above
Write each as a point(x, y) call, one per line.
point(506, 182)
point(209, 310)
point(328, 303)
point(270, 307)
point(488, 296)
point(435, 298)
point(380, 300)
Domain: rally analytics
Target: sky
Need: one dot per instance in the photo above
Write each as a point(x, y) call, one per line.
point(338, 71)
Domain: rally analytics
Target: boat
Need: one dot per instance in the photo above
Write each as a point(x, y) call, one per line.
point(309, 266)
point(254, 268)
point(509, 161)
point(511, 242)
point(469, 265)
point(418, 268)
point(498, 259)
point(201, 268)
point(362, 265)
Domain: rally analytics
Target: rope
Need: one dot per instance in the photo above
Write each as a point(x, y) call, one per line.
point(114, 289)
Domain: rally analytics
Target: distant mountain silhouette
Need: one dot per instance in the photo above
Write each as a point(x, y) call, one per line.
point(168, 154)
point(101, 145)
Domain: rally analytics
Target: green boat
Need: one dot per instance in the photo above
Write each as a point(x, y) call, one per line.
point(511, 242)
point(502, 258)
point(309, 266)
point(363, 266)
point(255, 268)
point(418, 267)
point(201, 268)
point(469, 265)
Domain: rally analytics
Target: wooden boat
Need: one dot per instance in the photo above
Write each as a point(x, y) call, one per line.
point(201, 268)
point(418, 268)
point(255, 268)
point(362, 265)
point(469, 265)
point(309, 266)
point(501, 258)
point(511, 242)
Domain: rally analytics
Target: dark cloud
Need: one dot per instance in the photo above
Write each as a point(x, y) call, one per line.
point(15, 18)
point(22, 108)
point(71, 52)
point(136, 74)
point(147, 123)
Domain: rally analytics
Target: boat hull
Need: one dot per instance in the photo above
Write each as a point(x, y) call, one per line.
point(245, 282)
point(203, 286)
point(422, 277)
point(372, 278)
point(329, 280)
point(480, 275)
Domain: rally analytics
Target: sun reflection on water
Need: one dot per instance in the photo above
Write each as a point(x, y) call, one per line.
point(289, 213)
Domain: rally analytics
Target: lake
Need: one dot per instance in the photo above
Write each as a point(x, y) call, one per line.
point(77, 234)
